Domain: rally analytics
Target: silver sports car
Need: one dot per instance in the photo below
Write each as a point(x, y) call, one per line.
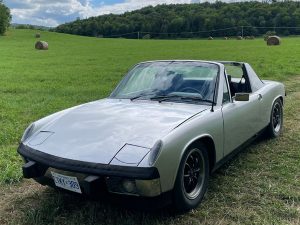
point(162, 131)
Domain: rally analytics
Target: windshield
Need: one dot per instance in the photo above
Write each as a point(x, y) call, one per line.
point(170, 81)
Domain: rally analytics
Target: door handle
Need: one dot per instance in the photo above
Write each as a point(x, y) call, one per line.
point(259, 97)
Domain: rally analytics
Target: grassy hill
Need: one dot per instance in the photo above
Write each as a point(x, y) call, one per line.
point(260, 186)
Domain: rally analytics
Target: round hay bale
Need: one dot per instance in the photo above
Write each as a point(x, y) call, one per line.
point(41, 45)
point(225, 38)
point(210, 38)
point(273, 40)
point(38, 35)
point(239, 38)
point(147, 36)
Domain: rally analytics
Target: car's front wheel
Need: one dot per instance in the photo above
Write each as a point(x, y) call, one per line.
point(276, 120)
point(192, 178)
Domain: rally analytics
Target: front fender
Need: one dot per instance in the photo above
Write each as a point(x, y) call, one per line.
point(209, 124)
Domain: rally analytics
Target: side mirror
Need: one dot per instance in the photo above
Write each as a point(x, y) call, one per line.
point(241, 97)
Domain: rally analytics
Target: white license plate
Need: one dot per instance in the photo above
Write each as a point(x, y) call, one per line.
point(66, 182)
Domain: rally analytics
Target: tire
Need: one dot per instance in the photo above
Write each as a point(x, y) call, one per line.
point(192, 179)
point(276, 120)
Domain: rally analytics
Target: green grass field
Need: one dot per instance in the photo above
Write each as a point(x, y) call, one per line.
point(260, 186)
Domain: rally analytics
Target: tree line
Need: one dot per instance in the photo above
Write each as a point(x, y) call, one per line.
point(29, 26)
point(5, 18)
point(193, 20)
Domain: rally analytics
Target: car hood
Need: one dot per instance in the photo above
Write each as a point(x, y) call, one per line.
point(97, 131)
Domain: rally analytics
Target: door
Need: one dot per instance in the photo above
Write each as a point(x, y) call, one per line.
point(240, 118)
point(240, 122)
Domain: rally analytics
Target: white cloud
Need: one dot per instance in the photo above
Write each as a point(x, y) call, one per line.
point(47, 13)
point(128, 5)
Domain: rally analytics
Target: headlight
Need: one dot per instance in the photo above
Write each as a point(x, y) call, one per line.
point(39, 138)
point(130, 154)
point(28, 132)
point(154, 152)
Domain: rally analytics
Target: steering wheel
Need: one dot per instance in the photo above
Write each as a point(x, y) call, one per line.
point(191, 89)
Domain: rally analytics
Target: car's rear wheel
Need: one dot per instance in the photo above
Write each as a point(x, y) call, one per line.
point(276, 120)
point(192, 178)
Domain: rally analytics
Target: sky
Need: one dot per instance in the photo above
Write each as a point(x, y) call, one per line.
point(51, 13)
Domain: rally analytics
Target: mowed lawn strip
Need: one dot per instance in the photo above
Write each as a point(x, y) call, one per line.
point(260, 186)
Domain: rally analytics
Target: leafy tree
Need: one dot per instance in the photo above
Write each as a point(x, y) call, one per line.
point(5, 18)
point(194, 20)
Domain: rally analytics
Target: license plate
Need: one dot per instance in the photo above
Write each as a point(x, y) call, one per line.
point(66, 182)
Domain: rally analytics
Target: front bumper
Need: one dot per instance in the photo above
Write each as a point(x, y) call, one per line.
point(94, 178)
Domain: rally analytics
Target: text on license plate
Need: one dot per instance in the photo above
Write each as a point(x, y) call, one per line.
point(66, 182)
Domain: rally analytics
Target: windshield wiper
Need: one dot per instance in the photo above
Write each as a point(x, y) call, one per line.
point(195, 98)
point(180, 97)
point(140, 96)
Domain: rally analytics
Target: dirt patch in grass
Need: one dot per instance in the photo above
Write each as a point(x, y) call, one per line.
point(11, 195)
point(259, 186)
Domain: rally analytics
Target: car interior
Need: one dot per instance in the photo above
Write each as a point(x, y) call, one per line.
point(178, 83)
point(204, 87)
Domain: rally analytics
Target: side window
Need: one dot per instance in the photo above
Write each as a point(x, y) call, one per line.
point(239, 81)
point(226, 95)
point(234, 71)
